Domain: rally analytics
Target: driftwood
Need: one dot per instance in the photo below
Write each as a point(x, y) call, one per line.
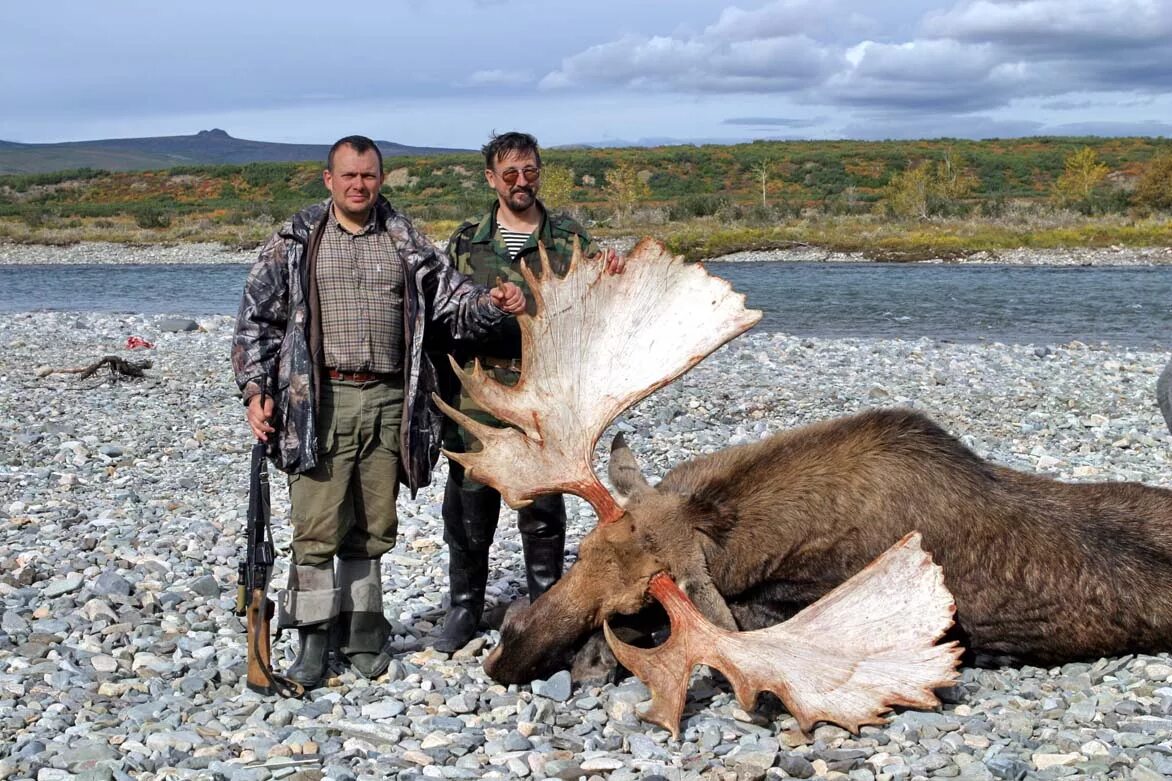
point(119, 368)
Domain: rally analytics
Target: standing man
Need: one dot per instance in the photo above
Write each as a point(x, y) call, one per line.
point(488, 249)
point(328, 357)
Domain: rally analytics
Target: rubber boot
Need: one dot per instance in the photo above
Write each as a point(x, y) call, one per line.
point(314, 646)
point(363, 630)
point(543, 540)
point(470, 519)
point(310, 603)
point(467, 578)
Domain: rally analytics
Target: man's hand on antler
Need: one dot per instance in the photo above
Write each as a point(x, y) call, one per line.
point(613, 262)
point(509, 298)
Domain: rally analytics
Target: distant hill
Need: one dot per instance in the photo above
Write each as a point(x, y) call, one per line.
point(207, 147)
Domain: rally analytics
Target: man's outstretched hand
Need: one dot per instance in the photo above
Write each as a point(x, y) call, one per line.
point(508, 297)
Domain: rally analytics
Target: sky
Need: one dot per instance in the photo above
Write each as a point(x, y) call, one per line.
point(612, 72)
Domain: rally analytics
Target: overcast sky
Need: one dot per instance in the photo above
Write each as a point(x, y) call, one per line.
point(447, 72)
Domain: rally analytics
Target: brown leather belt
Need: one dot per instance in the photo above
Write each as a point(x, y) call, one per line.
point(334, 374)
point(508, 364)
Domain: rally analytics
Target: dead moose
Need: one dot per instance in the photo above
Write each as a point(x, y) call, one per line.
point(1041, 571)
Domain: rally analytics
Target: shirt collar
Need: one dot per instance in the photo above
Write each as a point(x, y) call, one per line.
point(370, 226)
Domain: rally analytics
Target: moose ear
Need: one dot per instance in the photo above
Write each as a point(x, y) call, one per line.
point(624, 469)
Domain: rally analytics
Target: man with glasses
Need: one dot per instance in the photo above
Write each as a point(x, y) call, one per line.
point(487, 249)
point(328, 354)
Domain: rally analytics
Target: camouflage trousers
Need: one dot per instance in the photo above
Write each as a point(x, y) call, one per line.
point(457, 439)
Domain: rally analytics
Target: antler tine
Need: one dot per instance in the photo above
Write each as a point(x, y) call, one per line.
point(597, 344)
point(546, 270)
point(846, 659)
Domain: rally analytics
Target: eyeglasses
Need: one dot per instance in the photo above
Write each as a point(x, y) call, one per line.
point(532, 174)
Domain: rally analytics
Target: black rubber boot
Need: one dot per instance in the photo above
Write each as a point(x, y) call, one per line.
point(370, 665)
point(363, 630)
point(543, 539)
point(310, 668)
point(467, 577)
point(470, 519)
point(543, 563)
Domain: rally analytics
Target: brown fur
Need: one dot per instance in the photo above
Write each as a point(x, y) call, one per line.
point(1042, 571)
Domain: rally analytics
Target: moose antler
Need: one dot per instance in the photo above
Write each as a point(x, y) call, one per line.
point(867, 645)
point(630, 335)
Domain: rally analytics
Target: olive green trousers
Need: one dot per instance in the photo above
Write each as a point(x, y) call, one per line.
point(345, 506)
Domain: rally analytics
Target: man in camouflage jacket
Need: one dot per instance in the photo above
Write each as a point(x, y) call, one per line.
point(488, 249)
point(288, 383)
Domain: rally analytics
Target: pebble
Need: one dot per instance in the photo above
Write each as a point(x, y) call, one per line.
point(122, 508)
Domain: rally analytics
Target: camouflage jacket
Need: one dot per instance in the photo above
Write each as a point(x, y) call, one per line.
point(482, 255)
point(278, 340)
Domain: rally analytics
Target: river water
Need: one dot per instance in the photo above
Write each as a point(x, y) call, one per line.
point(1122, 305)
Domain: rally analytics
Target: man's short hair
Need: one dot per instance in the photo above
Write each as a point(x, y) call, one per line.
point(360, 144)
point(508, 144)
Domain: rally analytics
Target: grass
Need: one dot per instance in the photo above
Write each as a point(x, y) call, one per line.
point(695, 238)
point(898, 240)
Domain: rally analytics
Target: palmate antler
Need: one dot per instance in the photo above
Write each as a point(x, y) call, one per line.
point(866, 646)
point(599, 343)
point(628, 335)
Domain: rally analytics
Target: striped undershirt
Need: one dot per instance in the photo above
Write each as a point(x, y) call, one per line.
point(514, 240)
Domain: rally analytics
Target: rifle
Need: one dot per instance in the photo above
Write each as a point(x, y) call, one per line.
point(252, 599)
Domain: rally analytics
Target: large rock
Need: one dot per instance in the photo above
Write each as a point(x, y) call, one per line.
point(1164, 394)
point(177, 325)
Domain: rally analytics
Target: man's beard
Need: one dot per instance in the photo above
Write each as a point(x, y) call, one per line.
point(521, 198)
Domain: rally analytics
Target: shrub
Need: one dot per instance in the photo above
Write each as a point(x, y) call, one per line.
point(1082, 174)
point(697, 206)
point(625, 187)
point(557, 185)
point(1154, 189)
point(152, 217)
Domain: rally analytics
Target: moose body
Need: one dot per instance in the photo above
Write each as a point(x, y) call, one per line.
point(1042, 571)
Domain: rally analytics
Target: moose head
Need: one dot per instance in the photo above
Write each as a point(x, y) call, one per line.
point(597, 344)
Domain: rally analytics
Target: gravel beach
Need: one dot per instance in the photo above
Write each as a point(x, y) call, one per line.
point(103, 253)
point(122, 507)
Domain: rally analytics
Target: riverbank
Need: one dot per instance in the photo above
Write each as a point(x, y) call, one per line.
point(101, 253)
point(122, 507)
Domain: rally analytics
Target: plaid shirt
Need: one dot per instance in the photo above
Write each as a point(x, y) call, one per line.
point(360, 286)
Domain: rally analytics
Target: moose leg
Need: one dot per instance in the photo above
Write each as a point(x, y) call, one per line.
point(692, 576)
point(702, 591)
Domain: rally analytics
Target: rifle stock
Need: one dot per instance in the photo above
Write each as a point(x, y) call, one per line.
point(260, 614)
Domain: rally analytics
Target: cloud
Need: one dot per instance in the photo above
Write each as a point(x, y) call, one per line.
point(760, 65)
point(1054, 25)
point(771, 121)
point(780, 19)
point(928, 74)
point(500, 78)
point(978, 55)
point(1069, 44)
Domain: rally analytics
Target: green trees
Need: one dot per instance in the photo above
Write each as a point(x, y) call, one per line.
point(929, 189)
point(624, 187)
point(1082, 174)
point(557, 186)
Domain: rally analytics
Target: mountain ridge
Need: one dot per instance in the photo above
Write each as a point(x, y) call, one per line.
point(207, 147)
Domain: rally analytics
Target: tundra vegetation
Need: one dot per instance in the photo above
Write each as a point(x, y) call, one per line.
point(892, 199)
